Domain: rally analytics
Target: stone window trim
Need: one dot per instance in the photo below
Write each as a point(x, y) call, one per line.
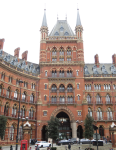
point(45, 113)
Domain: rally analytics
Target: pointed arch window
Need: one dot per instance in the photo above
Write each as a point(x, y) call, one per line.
point(54, 73)
point(22, 112)
point(98, 99)
point(61, 73)
point(14, 110)
point(69, 73)
point(32, 98)
point(108, 99)
point(24, 96)
point(54, 99)
point(69, 88)
point(12, 132)
point(8, 93)
point(6, 109)
point(61, 88)
point(99, 114)
point(31, 113)
point(62, 99)
point(78, 97)
point(16, 94)
point(3, 76)
point(109, 114)
point(70, 99)
point(54, 88)
point(89, 112)
point(88, 98)
point(0, 89)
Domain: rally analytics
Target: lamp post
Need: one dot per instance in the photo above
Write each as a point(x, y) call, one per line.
point(20, 81)
point(79, 122)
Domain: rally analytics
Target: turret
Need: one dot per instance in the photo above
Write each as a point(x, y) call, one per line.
point(78, 28)
point(44, 34)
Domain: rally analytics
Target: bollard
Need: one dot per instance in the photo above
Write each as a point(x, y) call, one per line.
point(30, 148)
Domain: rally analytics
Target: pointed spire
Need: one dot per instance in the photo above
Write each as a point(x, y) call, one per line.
point(44, 23)
point(78, 23)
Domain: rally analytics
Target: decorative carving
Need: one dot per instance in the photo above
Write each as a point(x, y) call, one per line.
point(86, 70)
point(95, 70)
point(104, 70)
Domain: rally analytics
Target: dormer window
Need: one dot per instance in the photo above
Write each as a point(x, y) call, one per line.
point(56, 34)
point(61, 29)
point(66, 34)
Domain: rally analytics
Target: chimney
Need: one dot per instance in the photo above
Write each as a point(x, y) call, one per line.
point(96, 60)
point(1, 43)
point(24, 55)
point(114, 59)
point(16, 52)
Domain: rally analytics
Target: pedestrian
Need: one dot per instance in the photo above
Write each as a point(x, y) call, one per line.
point(65, 147)
point(11, 148)
point(106, 140)
point(69, 146)
point(37, 147)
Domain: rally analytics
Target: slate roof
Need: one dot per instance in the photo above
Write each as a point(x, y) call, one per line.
point(30, 67)
point(61, 28)
point(78, 23)
point(103, 69)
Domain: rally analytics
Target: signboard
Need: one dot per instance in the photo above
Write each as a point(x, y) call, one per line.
point(98, 136)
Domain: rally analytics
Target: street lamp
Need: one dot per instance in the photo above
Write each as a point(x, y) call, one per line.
point(79, 122)
point(20, 81)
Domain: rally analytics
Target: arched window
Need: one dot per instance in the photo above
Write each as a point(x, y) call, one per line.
point(20, 133)
point(70, 99)
point(109, 114)
point(69, 73)
point(16, 94)
point(14, 110)
point(62, 99)
point(54, 73)
point(61, 73)
point(31, 98)
point(8, 93)
point(6, 109)
point(98, 99)
point(99, 114)
point(54, 99)
point(108, 99)
point(61, 52)
point(85, 87)
point(78, 97)
point(54, 88)
point(11, 132)
point(24, 96)
point(54, 52)
point(77, 86)
point(69, 88)
point(88, 98)
point(31, 113)
point(101, 130)
point(23, 112)
point(90, 87)
point(0, 89)
point(89, 112)
point(99, 87)
point(3, 76)
point(61, 88)
point(104, 87)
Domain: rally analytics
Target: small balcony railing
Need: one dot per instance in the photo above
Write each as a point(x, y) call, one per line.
point(90, 102)
point(109, 102)
point(99, 102)
point(61, 102)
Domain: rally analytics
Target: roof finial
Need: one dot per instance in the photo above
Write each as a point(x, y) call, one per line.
point(66, 16)
point(45, 6)
point(57, 16)
point(77, 7)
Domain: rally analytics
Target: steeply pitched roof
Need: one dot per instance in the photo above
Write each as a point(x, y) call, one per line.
point(61, 28)
point(78, 23)
point(44, 23)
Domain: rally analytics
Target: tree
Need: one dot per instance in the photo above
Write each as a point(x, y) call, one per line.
point(3, 121)
point(88, 130)
point(52, 128)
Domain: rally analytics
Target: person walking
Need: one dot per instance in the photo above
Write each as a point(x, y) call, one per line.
point(69, 146)
point(37, 147)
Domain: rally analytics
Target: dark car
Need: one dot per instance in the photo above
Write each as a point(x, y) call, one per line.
point(64, 142)
point(74, 140)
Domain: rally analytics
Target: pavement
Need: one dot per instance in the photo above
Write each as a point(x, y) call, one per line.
point(73, 147)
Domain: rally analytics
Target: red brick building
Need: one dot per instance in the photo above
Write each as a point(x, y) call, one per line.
point(62, 84)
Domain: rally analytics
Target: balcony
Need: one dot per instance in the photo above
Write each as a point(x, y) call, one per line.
point(62, 102)
point(90, 102)
point(61, 76)
point(109, 103)
point(99, 102)
point(53, 91)
point(99, 119)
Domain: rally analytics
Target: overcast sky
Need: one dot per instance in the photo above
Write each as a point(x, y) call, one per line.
point(20, 22)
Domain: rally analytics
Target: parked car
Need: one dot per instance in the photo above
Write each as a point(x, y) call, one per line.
point(85, 141)
point(74, 140)
point(64, 142)
point(100, 142)
point(42, 144)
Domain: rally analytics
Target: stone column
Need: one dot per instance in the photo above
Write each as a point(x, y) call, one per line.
point(112, 130)
point(74, 129)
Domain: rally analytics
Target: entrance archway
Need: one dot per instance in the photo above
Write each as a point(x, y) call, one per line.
point(44, 133)
point(65, 131)
point(80, 132)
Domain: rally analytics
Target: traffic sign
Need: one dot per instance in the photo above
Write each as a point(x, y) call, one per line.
point(98, 136)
